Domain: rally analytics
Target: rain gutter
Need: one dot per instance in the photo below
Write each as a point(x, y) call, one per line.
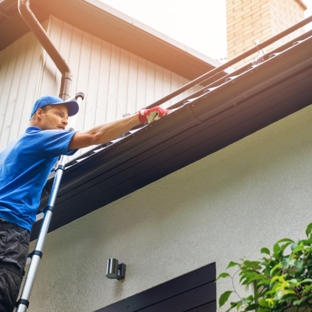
point(211, 76)
point(41, 35)
point(225, 111)
point(243, 105)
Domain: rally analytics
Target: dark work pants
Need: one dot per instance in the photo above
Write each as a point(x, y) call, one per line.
point(14, 242)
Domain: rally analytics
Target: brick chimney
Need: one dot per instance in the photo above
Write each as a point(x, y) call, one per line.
point(249, 21)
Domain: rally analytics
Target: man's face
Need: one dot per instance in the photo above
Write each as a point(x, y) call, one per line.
point(54, 117)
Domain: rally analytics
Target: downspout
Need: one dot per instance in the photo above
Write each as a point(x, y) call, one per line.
point(41, 35)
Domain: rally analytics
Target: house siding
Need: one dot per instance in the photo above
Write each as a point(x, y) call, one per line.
point(20, 65)
point(224, 207)
point(114, 81)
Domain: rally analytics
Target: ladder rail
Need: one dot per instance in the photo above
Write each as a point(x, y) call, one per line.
point(23, 302)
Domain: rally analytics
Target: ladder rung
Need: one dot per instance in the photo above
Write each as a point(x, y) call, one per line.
point(39, 216)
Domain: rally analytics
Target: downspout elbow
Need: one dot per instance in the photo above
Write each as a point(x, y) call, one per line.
point(39, 32)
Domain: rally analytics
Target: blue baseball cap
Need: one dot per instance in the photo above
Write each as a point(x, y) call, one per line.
point(72, 105)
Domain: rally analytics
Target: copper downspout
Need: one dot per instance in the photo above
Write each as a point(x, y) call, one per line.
point(35, 26)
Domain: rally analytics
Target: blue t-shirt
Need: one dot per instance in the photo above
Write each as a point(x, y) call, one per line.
point(25, 165)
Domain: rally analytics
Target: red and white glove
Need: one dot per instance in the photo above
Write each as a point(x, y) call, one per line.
point(151, 114)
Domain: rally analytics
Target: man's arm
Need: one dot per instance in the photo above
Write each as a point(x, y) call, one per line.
point(103, 133)
point(112, 130)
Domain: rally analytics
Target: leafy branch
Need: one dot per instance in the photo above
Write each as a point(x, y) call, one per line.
point(282, 278)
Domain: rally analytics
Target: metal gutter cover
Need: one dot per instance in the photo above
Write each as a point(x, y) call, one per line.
point(228, 110)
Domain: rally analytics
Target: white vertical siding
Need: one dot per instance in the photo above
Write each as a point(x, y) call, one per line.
point(20, 64)
point(115, 81)
point(125, 81)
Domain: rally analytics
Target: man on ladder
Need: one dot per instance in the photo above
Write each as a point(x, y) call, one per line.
point(24, 168)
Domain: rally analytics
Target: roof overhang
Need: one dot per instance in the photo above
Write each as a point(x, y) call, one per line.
point(106, 23)
point(237, 106)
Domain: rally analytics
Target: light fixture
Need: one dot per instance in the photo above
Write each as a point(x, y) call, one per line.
point(115, 270)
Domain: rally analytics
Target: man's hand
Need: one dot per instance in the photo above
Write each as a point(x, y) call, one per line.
point(114, 129)
point(151, 114)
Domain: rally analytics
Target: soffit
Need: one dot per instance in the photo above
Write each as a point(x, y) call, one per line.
point(110, 25)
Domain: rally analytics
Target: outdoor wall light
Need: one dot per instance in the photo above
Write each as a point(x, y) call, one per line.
point(115, 270)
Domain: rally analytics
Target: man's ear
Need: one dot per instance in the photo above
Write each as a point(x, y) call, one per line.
point(36, 118)
point(39, 113)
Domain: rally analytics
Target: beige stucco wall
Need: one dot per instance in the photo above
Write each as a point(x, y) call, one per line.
point(221, 208)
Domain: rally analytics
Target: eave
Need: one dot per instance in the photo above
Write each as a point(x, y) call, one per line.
point(104, 22)
point(230, 109)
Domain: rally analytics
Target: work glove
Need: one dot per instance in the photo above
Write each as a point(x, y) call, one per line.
point(151, 114)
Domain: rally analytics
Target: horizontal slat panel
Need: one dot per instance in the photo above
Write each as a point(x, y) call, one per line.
point(186, 292)
point(189, 300)
point(209, 307)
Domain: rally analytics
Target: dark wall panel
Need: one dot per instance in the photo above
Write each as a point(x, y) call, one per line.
point(194, 291)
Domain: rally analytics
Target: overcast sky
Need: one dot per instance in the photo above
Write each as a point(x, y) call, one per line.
point(199, 24)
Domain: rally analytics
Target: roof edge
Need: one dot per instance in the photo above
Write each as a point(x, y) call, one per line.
point(151, 31)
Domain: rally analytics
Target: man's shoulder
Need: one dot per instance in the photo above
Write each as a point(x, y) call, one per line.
point(32, 129)
point(49, 132)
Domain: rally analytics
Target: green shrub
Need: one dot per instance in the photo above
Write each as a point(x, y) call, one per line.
point(282, 278)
